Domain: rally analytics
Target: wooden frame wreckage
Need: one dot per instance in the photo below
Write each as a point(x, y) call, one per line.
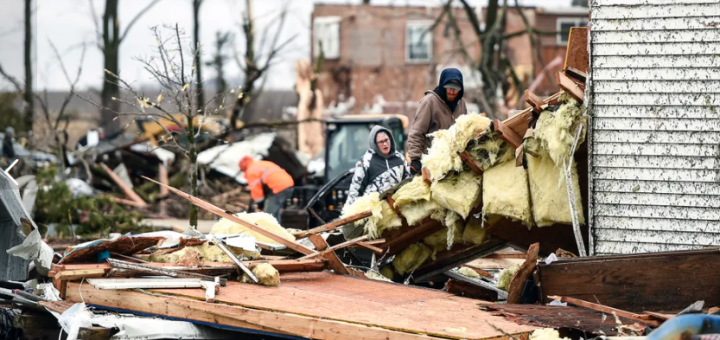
point(320, 297)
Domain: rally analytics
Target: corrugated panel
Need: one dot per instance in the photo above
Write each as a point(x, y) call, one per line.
point(655, 95)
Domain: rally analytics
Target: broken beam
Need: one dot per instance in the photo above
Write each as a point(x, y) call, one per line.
point(126, 190)
point(606, 309)
point(217, 211)
point(79, 274)
point(162, 271)
point(337, 246)
point(570, 87)
point(507, 134)
point(537, 104)
point(333, 261)
point(333, 225)
point(470, 162)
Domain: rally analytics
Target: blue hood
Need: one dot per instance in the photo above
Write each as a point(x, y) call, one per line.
point(447, 75)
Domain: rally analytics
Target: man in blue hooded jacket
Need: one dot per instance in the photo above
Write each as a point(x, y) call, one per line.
point(437, 111)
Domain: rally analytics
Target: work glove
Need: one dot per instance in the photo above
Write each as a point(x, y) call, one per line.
point(415, 167)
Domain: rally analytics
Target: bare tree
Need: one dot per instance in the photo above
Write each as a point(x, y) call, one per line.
point(109, 38)
point(28, 93)
point(52, 118)
point(222, 40)
point(252, 64)
point(173, 68)
point(196, 35)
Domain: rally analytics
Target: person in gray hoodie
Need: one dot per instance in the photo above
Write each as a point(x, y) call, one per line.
point(380, 168)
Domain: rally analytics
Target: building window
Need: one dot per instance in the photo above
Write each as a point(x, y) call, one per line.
point(327, 31)
point(418, 41)
point(565, 24)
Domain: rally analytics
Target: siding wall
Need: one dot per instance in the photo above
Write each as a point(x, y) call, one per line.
point(655, 131)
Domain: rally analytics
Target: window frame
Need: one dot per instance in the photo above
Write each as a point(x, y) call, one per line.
point(326, 20)
point(415, 24)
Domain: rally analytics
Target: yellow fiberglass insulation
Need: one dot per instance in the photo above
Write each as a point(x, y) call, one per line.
point(437, 241)
point(442, 155)
point(414, 213)
point(469, 272)
point(266, 274)
point(490, 150)
point(411, 258)
point(414, 191)
point(549, 192)
point(546, 334)
point(503, 281)
point(377, 276)
point(383, 217)
point(505, 193)
point(459, 192)
point(205, 252)
point(388, 272)
point(556, 130)
point(260, 219)
point(474, 232)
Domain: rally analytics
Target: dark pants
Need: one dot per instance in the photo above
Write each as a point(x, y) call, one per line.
point(275, 202)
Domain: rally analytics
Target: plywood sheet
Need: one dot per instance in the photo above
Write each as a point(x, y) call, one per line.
point(372, 303)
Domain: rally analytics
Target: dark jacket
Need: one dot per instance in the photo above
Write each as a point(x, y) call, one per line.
point(7, 147)
point(434, 113)
point(375, 172)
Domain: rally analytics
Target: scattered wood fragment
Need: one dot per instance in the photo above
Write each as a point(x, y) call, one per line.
point(480, 271)
point(217, 211)
point(334, 262)
point(576, 53)
point(163, 271)
point(96, 333)
point(577, 74)
point(333, 225)
point(507, 134)
point(241, 266)
point(337, 246)
point(537, 104)
point(126, 190)
point(570, 87)
point(401, 238)
point(470, 162)
point(426, 176)
point(370, 247)
point(469, 290)
point(79, 274)
point(517, 283)
point(606, 309)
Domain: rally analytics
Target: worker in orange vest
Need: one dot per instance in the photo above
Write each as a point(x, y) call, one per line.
point(267, 182)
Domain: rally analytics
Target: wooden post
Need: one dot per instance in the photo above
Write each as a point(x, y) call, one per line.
point(128, 192)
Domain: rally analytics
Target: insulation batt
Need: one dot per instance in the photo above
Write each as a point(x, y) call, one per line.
point(505, 193)
point(469, 272)
point(549, 192)
point(556, 130)
point(442, 156)
point(416, 190)
point(459, 193)
point(267, 275)
point(383, 217)
point(414, 213)
point(503, 281)
point(474, 232)
point(388, 272)
point(546, 334)
point(411, 258)
point(490, 150)
point(206, 252)
point(261, 219)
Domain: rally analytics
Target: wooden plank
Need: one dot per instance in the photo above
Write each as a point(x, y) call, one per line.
point(334, 298)
point(517, 283)
point(469, 290)
point(370, 247)
point(457, 255)
point(470, 162)
point(127, 191)
point(334, 262)
point(401, 238)
point(631, 282)
point(217, 211)
point(336, 247)
point(606, 309)
point(426, 176)
point(333, 225)
point(570, 87)
point(480, 271)
point(507, 134)
point(79, 274)
point(537, 104)
point(576, 53)
point(577, 74)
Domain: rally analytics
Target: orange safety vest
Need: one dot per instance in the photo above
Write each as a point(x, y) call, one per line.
point(269, 174)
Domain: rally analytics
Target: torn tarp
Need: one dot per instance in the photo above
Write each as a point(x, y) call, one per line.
point(225, 158)
point(34, 249)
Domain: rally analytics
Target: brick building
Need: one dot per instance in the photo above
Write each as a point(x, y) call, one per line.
point(386, 50)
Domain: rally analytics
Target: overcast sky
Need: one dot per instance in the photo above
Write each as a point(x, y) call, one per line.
point(69, 25)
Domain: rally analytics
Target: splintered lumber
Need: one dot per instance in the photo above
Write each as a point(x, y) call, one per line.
point(606, 309)
point(344, 307)
point(127, 191)
point(400, 238)
point(207, 268)
point(467, 289)
point(370, 247)
point(577, 74)
point(333, 225)
point(334, 262)
point(479, 271)
point(163, 271)
point(537, 104)
point(637, 282)
point(337, 246)
point(470, 162)
point(79, 274)
point(570, 87)
point(517, 283)
point(507, 134)
point(217, 211)
point(457, 255)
